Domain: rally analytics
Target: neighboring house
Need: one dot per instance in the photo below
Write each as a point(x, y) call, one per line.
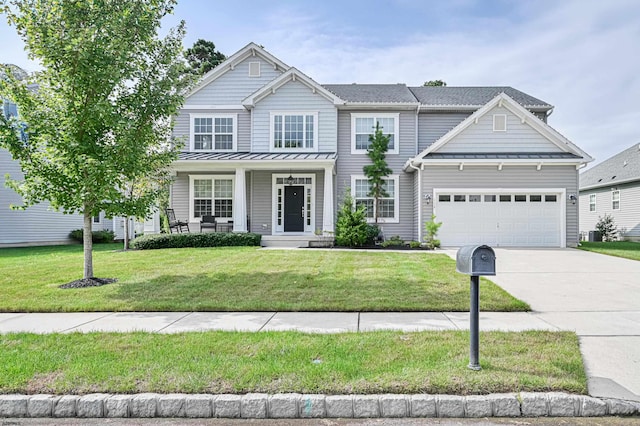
point(273, 151)
point(39, 224)
point(613, 187)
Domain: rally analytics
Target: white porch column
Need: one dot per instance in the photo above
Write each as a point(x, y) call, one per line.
point(240, 202)
point(327, 208)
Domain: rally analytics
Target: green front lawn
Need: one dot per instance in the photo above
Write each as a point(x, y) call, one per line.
point(231, 362)
point(626, 249)
point(239, 279)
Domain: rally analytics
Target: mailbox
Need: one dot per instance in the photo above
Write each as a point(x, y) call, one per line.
point(476, 260)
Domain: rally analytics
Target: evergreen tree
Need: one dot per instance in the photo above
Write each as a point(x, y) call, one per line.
point(378, 170)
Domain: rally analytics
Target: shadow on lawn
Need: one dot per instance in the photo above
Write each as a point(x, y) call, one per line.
point(70, 249)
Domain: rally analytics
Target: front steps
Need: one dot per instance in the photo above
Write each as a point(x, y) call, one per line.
point(286, 241)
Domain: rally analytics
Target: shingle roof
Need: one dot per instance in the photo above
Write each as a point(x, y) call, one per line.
point(244, 156)
point(624, 166)
point(372, 93)
point(501, 155)
point(472, 96)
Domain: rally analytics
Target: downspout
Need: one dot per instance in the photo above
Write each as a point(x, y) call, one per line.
point(419, 199)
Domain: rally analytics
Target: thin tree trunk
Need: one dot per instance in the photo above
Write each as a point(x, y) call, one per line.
point(88, 243)
point(126, 233)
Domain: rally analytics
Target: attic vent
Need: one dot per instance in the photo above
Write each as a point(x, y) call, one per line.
point(499, 123)
point(254, 69)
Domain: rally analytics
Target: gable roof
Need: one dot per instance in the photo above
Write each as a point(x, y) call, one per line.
point(473, 97)
point(293, 74)
point(525, 115)
point(250, 49)
point(373, 93)
point(622, 167)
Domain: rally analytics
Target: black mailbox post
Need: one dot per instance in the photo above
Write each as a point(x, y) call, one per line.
point(475, 261)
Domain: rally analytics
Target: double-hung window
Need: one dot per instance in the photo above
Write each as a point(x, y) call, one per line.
point(211, 196)
point(387, 207)
point(212, 132)
point(294, 131)
point(364, 125)
point(592, 202)
point(615, 200)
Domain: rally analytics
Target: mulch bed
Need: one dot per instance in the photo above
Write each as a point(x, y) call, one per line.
point(89, 282)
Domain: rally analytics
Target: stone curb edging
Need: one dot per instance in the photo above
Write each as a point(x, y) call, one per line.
point(295, 405)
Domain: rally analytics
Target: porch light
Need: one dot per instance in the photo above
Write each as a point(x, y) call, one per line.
point(427, 198)
point(573, 198)
point(290, 179)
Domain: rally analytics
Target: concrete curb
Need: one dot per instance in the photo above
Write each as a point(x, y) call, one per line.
point(295, 405)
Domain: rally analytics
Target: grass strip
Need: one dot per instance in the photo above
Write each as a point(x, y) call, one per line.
point(237, 362)
point(240, 279)
point(625, 249)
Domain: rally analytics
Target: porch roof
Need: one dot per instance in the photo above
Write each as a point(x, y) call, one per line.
point(256, 156)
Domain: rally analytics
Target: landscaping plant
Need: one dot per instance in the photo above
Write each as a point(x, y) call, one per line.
point(378, 170)
point(431, 227)
point(352, 229)
point(607, 228)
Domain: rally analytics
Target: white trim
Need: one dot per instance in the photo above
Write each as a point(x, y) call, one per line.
point(496, 129)
point(272, 116)
point(279, 230)
point(396, 198)
point(613, 200)
point(375, 116)
point(213, 107)
point(193, 116)
point(560, 192)
point(211, 177)
point(595, 202)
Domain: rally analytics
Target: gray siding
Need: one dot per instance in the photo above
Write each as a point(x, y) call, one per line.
point(432, 126)
point(233, 86)
point(182, 126)
point(509, 177)
point(627, 218)
point(519, 137)
point(37, 224)
point(295, 97)
point(351, 164)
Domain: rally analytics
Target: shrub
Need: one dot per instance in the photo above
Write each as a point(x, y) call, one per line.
point(351, 224)
point(415, 244)
point(373, 232)
point(432, 227)
point(394, 241)
point(209, 239)
point(102, 236)
point(607, 228)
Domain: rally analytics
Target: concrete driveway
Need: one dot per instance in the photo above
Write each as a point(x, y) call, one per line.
point(596, 296)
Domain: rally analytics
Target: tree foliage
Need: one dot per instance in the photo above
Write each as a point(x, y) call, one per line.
point(352, 229)
point(607, 228)
point(440, 83)
point(99, 123)
point(379, 169)
point(431, 228)
point(203, 57)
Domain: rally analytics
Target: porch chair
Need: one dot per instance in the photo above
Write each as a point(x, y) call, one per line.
point(174, 223)
point(207, 222)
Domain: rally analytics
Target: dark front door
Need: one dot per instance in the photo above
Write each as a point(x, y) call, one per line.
point(294, 209)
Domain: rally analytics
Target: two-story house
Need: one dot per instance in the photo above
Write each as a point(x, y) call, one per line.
point(271, 151)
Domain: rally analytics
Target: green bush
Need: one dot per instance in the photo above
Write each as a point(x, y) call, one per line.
point(209, 239)
point(415, 244)
point(351, 224)
point(431, 227)
point(372, 234)
point(394, 241)
point(102, 236)
point(607, 228)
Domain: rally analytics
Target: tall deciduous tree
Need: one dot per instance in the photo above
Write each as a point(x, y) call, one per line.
point(435, 83)
point(101, 117)
point(203, 57)
point(378, 170)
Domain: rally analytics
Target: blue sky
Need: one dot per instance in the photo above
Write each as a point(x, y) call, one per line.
point(583, 56)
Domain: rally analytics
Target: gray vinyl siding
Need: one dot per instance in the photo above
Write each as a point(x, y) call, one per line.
point(627, 218)
point(182, 126)
point(235, 85)
point(519, 137)
point(487, 177)
point(351, 164)
point(37, 224)
point(432, 126)
point(295, 97)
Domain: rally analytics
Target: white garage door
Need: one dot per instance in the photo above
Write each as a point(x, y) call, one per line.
point(507, 219)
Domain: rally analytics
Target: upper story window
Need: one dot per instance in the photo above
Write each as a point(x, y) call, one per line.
point(213, 132)
point(615, 200)
point(294, 131)
point(592, 202)
point(364, 125)
point(388, 207)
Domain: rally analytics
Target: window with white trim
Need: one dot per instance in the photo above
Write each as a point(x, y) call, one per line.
point(388, 207)
point(213, 132)
point(592, 202)
point(364, 125)
point(211, 196)
point(615, 200)
point(296, 131)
